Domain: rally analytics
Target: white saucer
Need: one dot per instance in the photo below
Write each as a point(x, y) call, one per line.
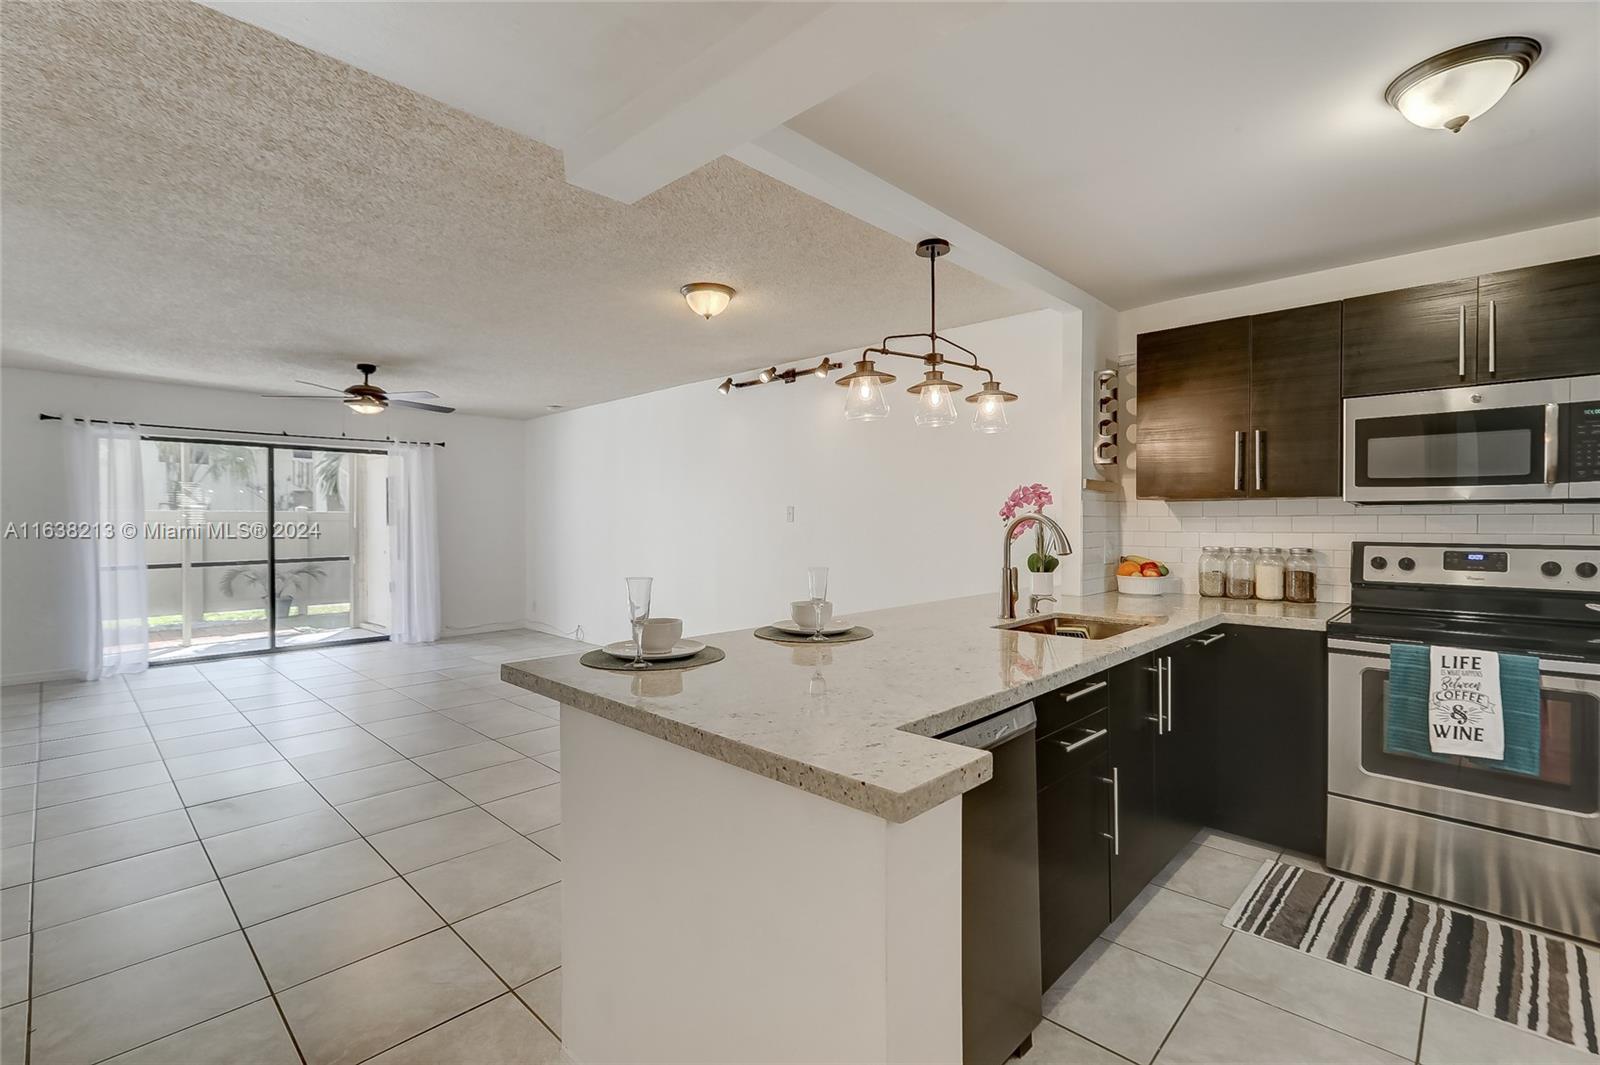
point(832, 628)
point(682, 649)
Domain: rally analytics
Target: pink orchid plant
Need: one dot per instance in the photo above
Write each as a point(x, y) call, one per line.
point(1026, 497)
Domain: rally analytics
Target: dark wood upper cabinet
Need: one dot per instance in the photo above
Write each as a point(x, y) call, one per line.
point(1425, 337)
point(1193, 396)
point(1294, 403)
point(1543, 321)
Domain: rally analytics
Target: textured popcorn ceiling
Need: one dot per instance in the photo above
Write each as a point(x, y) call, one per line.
point(189, 198)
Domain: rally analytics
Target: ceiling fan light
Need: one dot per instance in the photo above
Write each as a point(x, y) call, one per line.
point(707, 298)
point(366, 404)
point(1450, 89)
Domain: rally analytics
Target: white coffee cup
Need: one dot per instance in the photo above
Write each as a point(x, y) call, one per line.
point(805, 614)
point(660, 634)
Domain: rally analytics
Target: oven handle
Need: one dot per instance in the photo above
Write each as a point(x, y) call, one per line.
point(1380, 649)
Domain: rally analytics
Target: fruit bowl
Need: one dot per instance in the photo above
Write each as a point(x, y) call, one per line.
point(1167, 585)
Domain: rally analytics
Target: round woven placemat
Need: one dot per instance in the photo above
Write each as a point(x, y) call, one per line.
point(610, 663)
point(850, 635)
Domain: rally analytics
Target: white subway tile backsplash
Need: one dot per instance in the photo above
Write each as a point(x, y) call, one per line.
point(1294, 507)
point(1258, 507)
point(1399, 523)
point(1220, 507)
point(1271, 525)
point(1452, 523)
point(1505, 523)
point(1568, 524)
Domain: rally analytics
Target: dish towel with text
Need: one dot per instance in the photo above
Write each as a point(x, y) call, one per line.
point(1451, 702)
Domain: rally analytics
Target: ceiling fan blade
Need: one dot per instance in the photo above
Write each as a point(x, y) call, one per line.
point(297, 395)
point(424, 394)
point(313, 384)
point(420, 406)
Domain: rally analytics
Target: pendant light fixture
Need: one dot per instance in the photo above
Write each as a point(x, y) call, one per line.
point(1450, 89)
point(935, 394)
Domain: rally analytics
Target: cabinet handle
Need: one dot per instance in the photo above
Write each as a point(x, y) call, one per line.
point(1260, 476)
point(1093, 735)
point(1238, 461)
point(1552, 427)
point(1461, 344)
point(1209, 640)
point(1491, 336)
point(1115, 835)
point(1169, 695)
point(1081, 692)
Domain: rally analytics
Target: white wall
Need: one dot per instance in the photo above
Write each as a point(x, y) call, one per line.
point(1175, 532)
point(480, 474)
point(692, 487)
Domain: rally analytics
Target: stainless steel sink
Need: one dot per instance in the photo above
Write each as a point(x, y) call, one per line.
point(1076, 625)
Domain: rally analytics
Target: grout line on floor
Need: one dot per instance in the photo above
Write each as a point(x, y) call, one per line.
point(1422, 1026)
point(249, 945)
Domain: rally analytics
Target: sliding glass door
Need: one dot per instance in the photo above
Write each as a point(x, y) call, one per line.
point(263, 547)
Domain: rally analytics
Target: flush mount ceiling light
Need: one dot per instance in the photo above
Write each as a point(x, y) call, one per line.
point(1450, 89)
point(707, 298)
point(935, 394)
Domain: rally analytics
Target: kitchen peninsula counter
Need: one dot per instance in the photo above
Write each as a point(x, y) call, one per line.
point(853, 722)
point(762, 858)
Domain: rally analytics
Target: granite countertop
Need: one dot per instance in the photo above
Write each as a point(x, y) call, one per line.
point(854, 722)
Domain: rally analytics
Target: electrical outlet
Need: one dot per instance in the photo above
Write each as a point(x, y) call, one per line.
point(791, 515)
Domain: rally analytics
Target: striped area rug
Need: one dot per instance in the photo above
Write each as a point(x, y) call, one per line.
point(1540, 982)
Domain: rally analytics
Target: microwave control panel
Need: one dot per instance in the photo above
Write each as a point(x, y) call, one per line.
point(1583, 456)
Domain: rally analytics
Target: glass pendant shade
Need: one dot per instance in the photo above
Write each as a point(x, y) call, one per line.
point(865, 402)
point(1451, 89)
point(936, 406)
point(991, 415)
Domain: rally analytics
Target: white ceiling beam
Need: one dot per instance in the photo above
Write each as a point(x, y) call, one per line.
point(808, 166)
point(781, 61)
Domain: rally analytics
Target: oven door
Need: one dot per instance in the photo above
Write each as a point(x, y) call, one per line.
point(1493, 442)
point(1562, 803)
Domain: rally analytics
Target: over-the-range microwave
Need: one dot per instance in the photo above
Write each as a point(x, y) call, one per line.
point(1530, 441)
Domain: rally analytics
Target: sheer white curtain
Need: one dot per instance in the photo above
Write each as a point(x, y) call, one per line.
point(105, 475)
point(413, 545)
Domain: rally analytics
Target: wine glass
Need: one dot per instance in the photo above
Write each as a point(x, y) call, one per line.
point(638, 612)
point(817, 578)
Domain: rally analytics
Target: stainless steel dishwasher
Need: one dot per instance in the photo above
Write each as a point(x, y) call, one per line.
point(1000, 1001)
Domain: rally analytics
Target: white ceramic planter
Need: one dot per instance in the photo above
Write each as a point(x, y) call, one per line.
point(1041, 583)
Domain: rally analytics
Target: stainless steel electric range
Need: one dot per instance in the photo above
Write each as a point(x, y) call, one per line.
point(1523, 846)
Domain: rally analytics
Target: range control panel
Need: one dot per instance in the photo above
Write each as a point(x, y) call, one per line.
point(1510, 566)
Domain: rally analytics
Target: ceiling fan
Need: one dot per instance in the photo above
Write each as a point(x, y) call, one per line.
point(368, 398)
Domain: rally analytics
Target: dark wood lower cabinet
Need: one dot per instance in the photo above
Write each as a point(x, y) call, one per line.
point(1271, 762)
point(1186, 754)
point(1137, 848)
point(1074, 854)
point(1236, 741)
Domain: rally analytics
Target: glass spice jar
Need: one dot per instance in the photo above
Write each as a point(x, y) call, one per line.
point(1214, 572)
point(1300, 576)
point(1242, 573)
point(1269, 574)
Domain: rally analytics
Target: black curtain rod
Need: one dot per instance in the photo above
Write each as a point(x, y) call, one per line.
point(251, 432)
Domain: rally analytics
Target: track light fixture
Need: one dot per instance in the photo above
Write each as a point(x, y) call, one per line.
point(788, 377)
